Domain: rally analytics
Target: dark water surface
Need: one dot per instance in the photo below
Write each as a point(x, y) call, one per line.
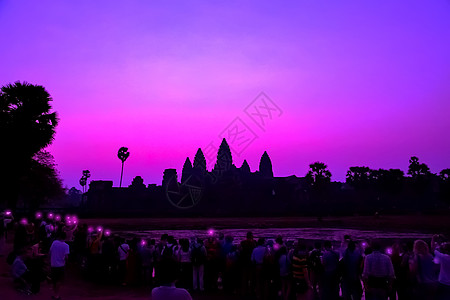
point(332, 234)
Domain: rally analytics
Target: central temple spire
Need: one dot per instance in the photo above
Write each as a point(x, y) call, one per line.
point(224, 159)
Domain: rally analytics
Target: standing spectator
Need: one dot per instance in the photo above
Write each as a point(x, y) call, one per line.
point(109, 255)
point(59, 253)
point(133, 264)
point(315, 266)
point(424, 270)
point(94, 254)
point(284, 264)
point(351, 273)
point(212, 262)
point(245, 263)
point(378, 274)
point(330, 277)
point(159, 252)
point(442, 254)
point(257, 258)
point(8, 219)
point(50, 229)
point(404, 280)
point(147, 254)
point(168, 277)
point(300, 274)
point(231, 278)
point(69, 229)
point(184, 258)
point(344, 244)
point(123, 250)
point(198, 258)
point(21, 273)
point(79, 243)
point(225, 249)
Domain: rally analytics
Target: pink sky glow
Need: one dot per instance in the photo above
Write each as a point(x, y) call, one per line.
point(358, 82)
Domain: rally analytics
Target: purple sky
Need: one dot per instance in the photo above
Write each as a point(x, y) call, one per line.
point(358, 82)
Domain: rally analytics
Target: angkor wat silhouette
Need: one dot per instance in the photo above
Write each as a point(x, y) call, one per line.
point(228, 190)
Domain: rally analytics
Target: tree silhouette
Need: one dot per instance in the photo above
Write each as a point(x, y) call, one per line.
point(420, 174)
point(389, 181)
point(74, 196)
point(122, 154)
point(417, 169)
point(265, 166)
point(318, 174)
point(319, 178)
point(137, 183)
point(41, 182)
point(445, 175)
point(83, 181)
point(86, 174)
point(444, 185)
point(358, 177)
point(27, 125)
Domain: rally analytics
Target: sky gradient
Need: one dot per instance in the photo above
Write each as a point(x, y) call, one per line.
point(358, 82)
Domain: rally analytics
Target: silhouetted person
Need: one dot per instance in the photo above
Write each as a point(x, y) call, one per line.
point(378, 274)
point(184, 259)
point(330, 277)
point(442, 254)
point(168, 277)
point(59, 253)
point(258, 255)
point(300, 273)
point(123, 251)
point(198, 259)
point(315, 265)
point(284, 264)
point(351, 273)
point(423, 268)
point(245, 263)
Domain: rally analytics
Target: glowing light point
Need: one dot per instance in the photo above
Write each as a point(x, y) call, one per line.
point(57, 218)
point(99, 228)
point(90, 229)
point(24, 221)
point(389, 251)
point(8, 213)
point(38, 215)
point(107, 232)
point(50, 215)
point(143, 242)
point(211, 232)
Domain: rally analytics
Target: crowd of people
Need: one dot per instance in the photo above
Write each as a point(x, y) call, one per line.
point(252, 268)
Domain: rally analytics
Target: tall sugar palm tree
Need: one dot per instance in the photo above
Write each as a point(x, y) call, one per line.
point(83, 182)
point(122, 155)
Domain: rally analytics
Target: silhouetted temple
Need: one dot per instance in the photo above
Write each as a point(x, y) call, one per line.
point(229, 190)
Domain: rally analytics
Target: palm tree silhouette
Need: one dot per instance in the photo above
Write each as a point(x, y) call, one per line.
point(122, 155)
point(83, 181)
